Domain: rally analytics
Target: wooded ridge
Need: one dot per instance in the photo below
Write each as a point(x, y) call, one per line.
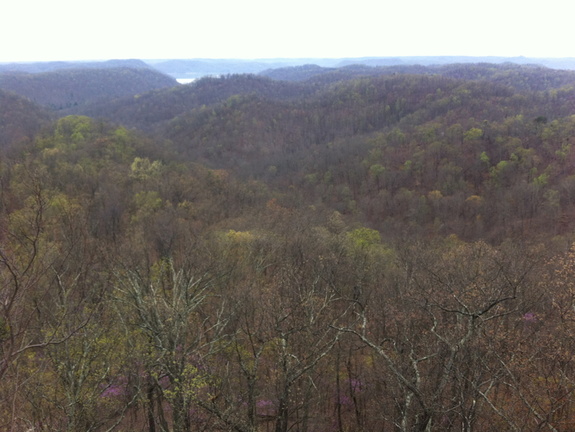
point(312, 248)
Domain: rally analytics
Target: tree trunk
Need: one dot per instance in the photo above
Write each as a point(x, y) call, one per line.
point(283, 411)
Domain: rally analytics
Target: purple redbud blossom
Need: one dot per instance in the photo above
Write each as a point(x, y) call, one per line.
point(344, 400)
point(355, 385)
point(112, 391)
point(263, 403)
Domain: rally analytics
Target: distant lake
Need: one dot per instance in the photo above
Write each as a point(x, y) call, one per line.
point(185, 80)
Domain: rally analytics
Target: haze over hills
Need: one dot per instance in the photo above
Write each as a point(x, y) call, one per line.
point(196, 68)
point(36, 67)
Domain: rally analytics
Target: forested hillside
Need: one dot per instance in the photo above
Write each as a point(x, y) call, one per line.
point(364, 249)
point(152, 110)
point(20, 120)
point(70, 88)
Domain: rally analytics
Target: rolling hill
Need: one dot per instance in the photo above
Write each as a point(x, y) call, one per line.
point(20, 120)
point(67, 88)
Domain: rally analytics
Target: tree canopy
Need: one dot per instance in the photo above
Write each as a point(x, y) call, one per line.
point(363, 249)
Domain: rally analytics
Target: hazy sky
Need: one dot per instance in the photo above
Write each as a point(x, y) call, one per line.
point(104, 29)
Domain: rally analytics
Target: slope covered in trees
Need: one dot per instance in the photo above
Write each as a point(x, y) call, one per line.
point(387, 252)
point(404, 148)
point(20, 120)
point(68, 88)
point(152, 110)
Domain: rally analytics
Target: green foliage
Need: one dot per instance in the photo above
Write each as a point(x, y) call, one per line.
point(74, 128)
point(473, 134)
point(142, 169)
point(377, 171)
point(188, 385)
point(541, 180)
point(362, 238)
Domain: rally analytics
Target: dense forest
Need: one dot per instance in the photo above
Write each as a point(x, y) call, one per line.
point(309, 249)
point(69, 88)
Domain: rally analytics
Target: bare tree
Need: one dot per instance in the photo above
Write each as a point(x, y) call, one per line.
point(431, 331)
point(170, 307)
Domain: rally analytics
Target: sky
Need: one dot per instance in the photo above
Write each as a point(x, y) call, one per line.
point(55, 30)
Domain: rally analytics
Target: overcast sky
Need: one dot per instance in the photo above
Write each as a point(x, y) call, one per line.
point(41, 30)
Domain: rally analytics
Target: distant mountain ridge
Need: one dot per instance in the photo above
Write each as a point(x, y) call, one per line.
point(199, 67)
point(38, 67)
point(534, 77)
point(196, 68)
